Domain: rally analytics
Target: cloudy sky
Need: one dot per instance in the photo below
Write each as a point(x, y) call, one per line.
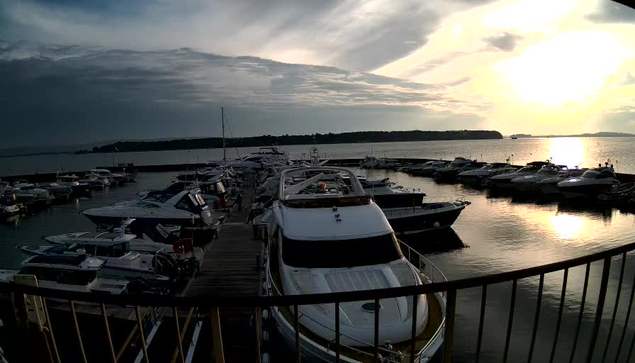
point(81, 71)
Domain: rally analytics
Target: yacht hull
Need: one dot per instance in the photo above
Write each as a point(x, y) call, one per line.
point(584, 191)
point(411, 221)
point(116, 220)
point(313, 351)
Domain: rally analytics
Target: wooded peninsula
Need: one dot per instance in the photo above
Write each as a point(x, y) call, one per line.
point(269, 140)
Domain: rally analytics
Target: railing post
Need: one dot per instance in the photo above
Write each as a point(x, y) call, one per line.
point(510, 322)
point(626, 320)
point(50, 326)
point(296, 324)
point(337, 332)
point(179, 342)
point(257, 328)
point(376, 347)
point(481, 323)
point(581, 314)
point(144, 346)
point(606, 270)
point(617, 302)
point(110, 345)
point(541, 284)
point(217, 336)
point(450, 311)
point(79, 335)
point(413, 335)
point(563, 295)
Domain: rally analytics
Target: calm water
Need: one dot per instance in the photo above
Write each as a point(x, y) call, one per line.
point(494, 234)
point(569, 151)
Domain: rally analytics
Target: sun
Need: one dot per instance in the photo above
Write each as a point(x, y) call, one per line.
point(571, 67)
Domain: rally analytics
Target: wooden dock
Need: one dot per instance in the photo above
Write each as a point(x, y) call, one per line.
point(229, 268)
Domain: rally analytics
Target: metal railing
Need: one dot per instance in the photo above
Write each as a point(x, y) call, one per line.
point(593, 346)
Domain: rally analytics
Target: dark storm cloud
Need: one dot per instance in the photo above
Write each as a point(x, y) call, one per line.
point(121, 94)
point(356, 34)
point(504, 41)
point(613, 12)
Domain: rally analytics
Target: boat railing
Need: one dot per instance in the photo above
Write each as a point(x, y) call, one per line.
point(444, 199)
point(596, 330)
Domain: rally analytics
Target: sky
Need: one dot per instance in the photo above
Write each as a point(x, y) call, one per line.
point(80, 71)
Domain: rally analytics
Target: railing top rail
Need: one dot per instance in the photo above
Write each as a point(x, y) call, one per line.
point(308, 299)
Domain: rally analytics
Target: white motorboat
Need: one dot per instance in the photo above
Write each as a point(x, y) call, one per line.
point(369, 162)
point(529, 183)
point(478, 176)
point(134, 244)
point(70, 273)
point(185, 208)
point(121, 262)
point(457, 166)
point(326, 235)
point(115, 178)
point(505, 180)
point(412, 213)
point(265, 157)
point(96, 181)
point(591, 184)
point(429, 169)
point(29, 194)
point(213, 192)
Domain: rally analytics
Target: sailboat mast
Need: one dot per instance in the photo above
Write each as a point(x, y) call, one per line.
point(222, 117)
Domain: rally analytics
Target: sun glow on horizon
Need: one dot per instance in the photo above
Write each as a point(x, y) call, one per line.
point(572, 67)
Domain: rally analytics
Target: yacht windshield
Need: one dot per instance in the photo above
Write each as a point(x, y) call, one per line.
point(341, 253)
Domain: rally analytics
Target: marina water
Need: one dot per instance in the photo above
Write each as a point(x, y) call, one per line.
point(494, 234)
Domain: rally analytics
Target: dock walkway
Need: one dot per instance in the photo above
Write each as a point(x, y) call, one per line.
point(229, 268)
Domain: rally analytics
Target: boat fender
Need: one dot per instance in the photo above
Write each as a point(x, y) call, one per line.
point(265, 358)
point(437, 224)
point(265, 336)
point(265, 314)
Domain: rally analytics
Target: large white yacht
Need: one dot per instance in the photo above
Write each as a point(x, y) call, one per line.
point(185, 208)
point(326, 235)
point(529, 183)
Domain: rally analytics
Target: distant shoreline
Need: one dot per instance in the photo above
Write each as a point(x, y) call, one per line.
point(597, 134)
point(284, 140)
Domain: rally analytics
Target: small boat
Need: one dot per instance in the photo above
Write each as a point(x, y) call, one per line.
point(480, 175)
point(457, 166)
point(265, 157)
point(505, 180)
point(369, 162)
point(419, 214)
point(134, 244)
point(529, 183)
point(29, 195)
point(69, 273)
point(121, 261)
point(185, 208)
point(618, 194)
point(213, 192)
point(95, 181)
point(591, 184)
point(70, 185)
point(429, 168)
point(115, 178)
point(326, 235)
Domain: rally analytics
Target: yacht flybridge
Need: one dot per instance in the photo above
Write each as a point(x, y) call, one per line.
point(326, 235)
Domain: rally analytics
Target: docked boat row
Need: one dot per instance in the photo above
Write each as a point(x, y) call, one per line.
point(21, 197)
point(543, 177)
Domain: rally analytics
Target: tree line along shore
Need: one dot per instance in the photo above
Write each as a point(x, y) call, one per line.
point(268, 140)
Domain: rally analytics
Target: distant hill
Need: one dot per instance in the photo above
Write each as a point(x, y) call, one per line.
point(267, 140)
point(597, 134)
